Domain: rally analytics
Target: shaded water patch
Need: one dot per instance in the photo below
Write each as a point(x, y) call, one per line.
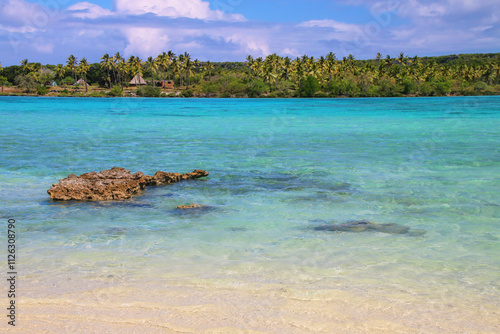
point(367, 226)
point(247, 182)
point(123, 204)
point(116, 231)
point(238, 229)
point(318, 197)
point(99, 204)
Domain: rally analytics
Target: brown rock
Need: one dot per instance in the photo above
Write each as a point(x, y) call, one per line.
point(113, 184)
point(191, 206)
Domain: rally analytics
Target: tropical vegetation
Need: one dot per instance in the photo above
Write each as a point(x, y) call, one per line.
point(272, 76)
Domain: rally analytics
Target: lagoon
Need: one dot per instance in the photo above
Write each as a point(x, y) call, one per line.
point(279, 169)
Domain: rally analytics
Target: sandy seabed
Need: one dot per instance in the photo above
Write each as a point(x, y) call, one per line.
point(218, 306)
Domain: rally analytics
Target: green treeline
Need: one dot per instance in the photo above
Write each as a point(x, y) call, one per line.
point(272, 76)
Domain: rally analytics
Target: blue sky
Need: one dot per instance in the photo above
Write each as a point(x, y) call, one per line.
point(48, 31)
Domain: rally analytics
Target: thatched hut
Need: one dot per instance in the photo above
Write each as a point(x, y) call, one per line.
point(137, 81)
point(81, 82)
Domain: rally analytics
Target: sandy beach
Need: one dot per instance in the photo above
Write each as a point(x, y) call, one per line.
point(236, 307)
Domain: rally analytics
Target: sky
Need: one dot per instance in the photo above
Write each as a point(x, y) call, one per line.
point(48, 31)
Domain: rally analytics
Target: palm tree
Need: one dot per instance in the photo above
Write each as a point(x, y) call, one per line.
point(72, 63)
point(180, 67)
point(271, 69)
point(331, 64)
point(3, 80)
point(478, 73)
point(159, 66)
point(286, 64)
point(415, 62)
point(402, 59)
point(350, 63)
point(60, 71)
point(275, 69)
point(151, 65)
point(250, 63)
point(197, 68)
point(25, 65)
point(388, 62)
point(135, 65)
point(197, 64)
point(209, 67)
point(170, 59)
point(175, 67)
point(496, 69)
point(83, 68)
point(117, 60)
point(269, 75)
point(298, 65)
point(321, 66)
point(188, 68)
point(257, 66)
point(123, 68)
point(107, 63)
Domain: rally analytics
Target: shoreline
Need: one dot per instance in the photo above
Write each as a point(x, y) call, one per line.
point(224, 306)
point(243, 97)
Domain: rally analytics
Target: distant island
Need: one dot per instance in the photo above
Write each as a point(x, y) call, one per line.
point(171, 75)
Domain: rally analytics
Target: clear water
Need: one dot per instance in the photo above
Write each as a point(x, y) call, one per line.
point(278, 168)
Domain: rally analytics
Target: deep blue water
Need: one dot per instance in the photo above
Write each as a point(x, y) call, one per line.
point(278, 169)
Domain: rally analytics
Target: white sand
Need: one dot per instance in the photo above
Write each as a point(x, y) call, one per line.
point(232, 307)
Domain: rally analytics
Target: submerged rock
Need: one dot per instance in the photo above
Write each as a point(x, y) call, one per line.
point(367, 226)
point(113, 184)
point(191, 206)
point(238, 229)
point(193, 209)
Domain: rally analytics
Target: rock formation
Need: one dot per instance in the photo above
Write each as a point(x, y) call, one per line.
point(113, 184)
point(191, 206)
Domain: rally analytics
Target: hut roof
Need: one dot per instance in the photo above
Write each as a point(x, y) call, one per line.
point(80, 82)
point(137, 80)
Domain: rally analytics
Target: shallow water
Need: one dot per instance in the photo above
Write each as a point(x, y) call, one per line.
point(278, 169)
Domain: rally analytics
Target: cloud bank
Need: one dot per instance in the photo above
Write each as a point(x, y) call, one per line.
point(149, 27)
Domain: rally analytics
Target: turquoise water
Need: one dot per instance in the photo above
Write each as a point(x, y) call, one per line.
point(278, 168)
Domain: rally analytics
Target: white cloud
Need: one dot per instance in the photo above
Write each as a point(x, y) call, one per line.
point(335, 30)
point(87, 10)
point(338, 26)
point(250, 43)
point(147, 28)
point(194, 9)
point(44, 47)
point(404, 34)
point(189, 46)
point(480, 29)
point(19, 13)
point(422, 9)
point(22, 30)
point(145, 42)
point(290, 52)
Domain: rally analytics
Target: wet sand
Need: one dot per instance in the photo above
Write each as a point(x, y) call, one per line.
point(232, 307)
